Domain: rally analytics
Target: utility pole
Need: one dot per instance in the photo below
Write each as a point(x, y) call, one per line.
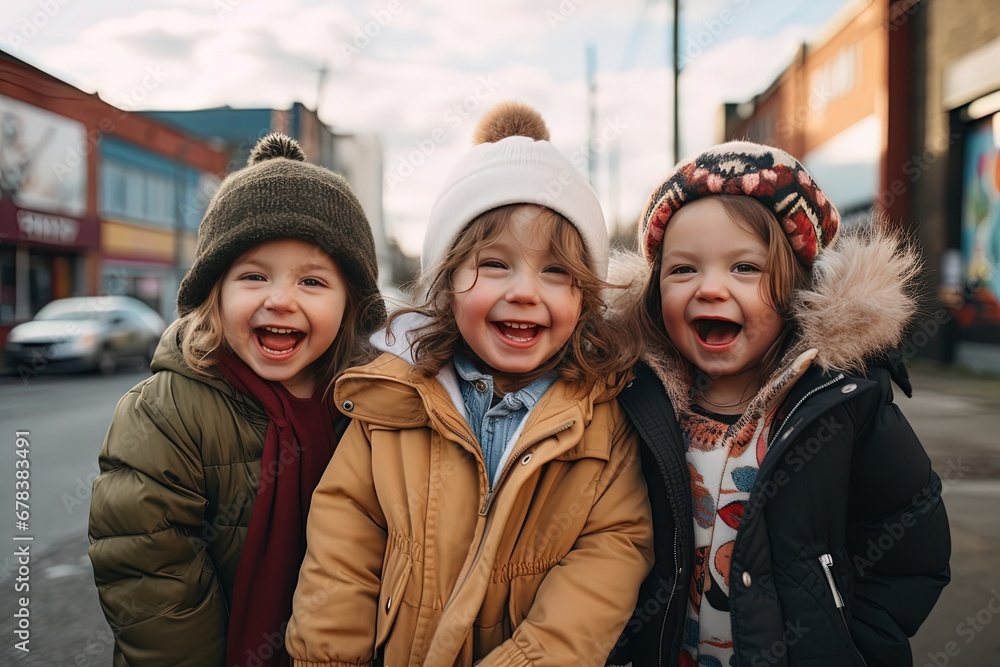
point(592, 113)
point(323, 71)
point(677, 79)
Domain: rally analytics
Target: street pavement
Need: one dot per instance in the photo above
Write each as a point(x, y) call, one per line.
point(956, 414)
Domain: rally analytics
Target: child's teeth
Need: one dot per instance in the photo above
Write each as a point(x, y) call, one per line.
point(276, 351)
point(279, 331)
point(518, 325)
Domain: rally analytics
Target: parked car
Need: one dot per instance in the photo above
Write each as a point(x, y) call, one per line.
point(85, 333)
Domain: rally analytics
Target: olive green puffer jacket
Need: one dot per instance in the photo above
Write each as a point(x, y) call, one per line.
point(170, 511)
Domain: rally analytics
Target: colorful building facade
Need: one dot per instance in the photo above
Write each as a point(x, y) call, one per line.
point(93, 199)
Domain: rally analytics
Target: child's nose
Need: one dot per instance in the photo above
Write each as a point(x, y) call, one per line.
point(279, 297)
point(523, 288)
point(712, 287)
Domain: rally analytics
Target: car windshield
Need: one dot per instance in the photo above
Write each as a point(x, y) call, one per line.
point(57, 315)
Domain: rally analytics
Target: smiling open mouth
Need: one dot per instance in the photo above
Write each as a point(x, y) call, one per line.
point(716, 332)
point(519, 332)
point(278, 341)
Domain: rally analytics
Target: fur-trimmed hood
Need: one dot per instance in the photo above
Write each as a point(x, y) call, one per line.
point(857, 306)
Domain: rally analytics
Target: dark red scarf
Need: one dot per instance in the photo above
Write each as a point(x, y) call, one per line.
point(300, 440)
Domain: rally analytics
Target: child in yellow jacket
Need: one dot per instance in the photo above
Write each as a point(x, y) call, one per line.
point(486, 505)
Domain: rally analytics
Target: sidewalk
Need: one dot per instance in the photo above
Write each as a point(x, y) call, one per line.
point(956, 414)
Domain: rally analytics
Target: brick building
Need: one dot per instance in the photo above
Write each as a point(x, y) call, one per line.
point(93, 199)
point(894, 108)
point(830, 108)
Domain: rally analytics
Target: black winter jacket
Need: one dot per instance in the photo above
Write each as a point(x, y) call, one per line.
point(845, 480)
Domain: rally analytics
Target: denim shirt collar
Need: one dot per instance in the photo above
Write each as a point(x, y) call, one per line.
point(522, 399)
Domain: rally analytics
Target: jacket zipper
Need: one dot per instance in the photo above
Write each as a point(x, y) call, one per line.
point(472, 448)
point(826, 562)
point(489, 498)
point(834, 380)
point(666, 610)
point(513, 457)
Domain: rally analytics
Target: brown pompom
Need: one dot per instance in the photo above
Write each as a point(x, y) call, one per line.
point(276, 145)
point(510, 119)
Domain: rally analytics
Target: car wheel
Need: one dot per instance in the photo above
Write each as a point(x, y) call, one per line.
point(107, 362)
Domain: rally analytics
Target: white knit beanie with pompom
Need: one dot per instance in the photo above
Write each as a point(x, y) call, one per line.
point(514, 163)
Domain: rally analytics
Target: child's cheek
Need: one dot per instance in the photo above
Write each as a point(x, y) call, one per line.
point(664, 306)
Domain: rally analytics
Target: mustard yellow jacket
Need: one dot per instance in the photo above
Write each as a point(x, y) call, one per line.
point(412, 561)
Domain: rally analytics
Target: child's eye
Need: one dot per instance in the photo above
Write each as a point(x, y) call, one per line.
point(681, 269)
point(491, 264)
point(557, 269)
point(312, 282)
point(253, 276)
point(745, 267)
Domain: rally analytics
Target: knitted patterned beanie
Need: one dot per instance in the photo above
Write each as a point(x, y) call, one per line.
point(768, 174)
point(279, 195)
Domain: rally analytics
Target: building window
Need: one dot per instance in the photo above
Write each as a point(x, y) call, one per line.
point(137, 194)
point(835, 78)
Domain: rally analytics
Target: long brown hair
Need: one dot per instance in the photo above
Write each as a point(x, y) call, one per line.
point(598, 349)
point(202, 336)
point(782, 272)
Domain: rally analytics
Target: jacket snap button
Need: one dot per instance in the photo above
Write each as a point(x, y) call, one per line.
point(848, 388)
point(348, 406)
point(388, 604)
point(746, 579)
point(481, 386)
point(524, 461)
point(628, 384)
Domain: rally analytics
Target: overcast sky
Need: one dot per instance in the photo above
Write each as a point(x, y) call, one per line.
point(419, 75)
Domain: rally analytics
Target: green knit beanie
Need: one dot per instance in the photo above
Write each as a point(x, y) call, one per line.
point(279, 195)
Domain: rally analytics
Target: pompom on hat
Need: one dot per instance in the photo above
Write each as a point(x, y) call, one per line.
point(280, 195)
point(514, 163)
point(768, 174)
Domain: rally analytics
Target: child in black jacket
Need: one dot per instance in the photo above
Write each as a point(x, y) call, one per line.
point(797, 520)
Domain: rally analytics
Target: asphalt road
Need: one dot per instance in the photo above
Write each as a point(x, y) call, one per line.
point(63, 419)
point(956, 416)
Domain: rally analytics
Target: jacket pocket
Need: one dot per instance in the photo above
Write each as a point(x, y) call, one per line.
point(826, 565)
point(395, 574)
